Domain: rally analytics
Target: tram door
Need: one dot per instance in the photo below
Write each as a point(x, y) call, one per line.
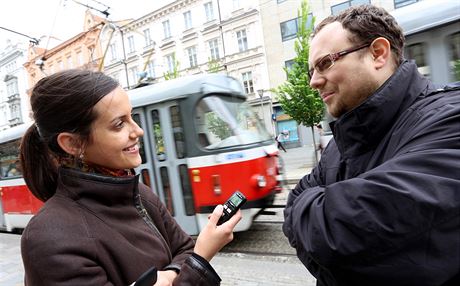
point(166, 138)
point(145, 170)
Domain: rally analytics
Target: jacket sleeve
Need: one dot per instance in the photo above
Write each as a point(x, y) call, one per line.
point(402, 214)
point(196, 271)
point(308, 181)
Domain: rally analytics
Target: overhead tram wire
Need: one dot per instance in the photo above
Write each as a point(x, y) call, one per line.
point(33, 40)
point(43, 58)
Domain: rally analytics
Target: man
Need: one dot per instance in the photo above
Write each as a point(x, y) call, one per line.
point(278, 140)
point(383, 205)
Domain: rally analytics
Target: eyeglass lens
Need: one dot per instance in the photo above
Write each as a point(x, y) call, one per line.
point(323, 64)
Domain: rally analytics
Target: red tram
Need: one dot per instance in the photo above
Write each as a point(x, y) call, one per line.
point(201, 143)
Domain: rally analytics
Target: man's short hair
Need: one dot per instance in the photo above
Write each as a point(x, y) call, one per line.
point(366, 23)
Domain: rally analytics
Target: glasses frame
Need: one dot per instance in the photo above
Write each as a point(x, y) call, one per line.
point(333, 58)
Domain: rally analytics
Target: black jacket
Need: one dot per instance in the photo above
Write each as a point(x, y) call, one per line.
point(100, 230)
point(383, 205)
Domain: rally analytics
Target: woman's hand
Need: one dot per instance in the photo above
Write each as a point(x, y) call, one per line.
point(213, 237)
point(165, 278)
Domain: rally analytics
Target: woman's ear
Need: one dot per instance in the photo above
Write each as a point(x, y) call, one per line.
point(381, 52)
point(70, 143)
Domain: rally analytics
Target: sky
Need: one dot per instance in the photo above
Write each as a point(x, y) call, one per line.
point(63, 18)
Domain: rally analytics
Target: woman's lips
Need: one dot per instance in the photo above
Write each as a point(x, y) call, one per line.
point(132, 149)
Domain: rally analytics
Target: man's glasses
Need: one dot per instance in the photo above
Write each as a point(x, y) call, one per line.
point(328, 61)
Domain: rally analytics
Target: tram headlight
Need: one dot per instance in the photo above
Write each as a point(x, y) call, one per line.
point(259, 181)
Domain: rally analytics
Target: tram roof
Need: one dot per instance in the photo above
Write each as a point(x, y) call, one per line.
point(185, 86)
point(13, 132)
point(425, 15)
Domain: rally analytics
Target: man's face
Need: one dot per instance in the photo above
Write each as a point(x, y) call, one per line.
point(350, 80)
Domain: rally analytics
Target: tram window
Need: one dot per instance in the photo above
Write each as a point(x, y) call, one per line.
point(160, 148)
point(167, 189)
point(222, 123)
point(417, 52)
point(9, 160)
point(186, 190)
point(137, 119)
point(454, 47)
point(178, 130)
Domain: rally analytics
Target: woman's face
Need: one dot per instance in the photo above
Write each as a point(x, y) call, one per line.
point(114, 138)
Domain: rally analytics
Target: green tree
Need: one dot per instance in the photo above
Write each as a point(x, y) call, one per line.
point(217, 126)
point(175, 72)
point(213, 66)
point(296, 97)
point(457, 69)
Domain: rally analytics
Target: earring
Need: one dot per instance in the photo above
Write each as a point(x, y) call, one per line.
point(81, 156)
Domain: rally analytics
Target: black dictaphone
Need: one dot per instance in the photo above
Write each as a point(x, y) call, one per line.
point(231, 206)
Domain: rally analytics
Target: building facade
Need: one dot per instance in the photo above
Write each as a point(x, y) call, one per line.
point(431, 27)
point(190, 37)
point(14, 102)
point(80, 51)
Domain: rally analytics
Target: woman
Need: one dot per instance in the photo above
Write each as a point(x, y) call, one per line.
point(99, 225)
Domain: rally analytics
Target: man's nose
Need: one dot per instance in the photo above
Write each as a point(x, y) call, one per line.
point(316, 80)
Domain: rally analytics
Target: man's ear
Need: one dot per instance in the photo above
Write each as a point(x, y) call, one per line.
point(70, 143)
point(381, 52)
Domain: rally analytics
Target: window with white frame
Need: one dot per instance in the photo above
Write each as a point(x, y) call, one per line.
point(402, 3)
point(115, 76)
point(454, 51)
point(69, 62)
point(336, 9)
point(418, 52)
point(134, 74)
point(12, 87)
point(289, 29)
point(288, 64)
point(61, 65)
point(188, 20)
point(166, 29)
point(170, 62)
point(10, 67)
point(247, 82)
point(113, 51)
point(151, 69)
point(242, 40)
point(236, 4)
point(214, 49)
point(80, 58)
point(131, 47)
point(209, 10)
point(147, 37)
point(191, 52)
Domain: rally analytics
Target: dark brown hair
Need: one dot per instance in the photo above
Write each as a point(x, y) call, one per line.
point(62, 102)
point(366, 23)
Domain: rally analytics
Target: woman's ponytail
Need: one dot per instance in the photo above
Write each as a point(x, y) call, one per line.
point(39, 166)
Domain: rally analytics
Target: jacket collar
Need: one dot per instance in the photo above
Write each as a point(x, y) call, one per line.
point(90, 188)
point(362, 128)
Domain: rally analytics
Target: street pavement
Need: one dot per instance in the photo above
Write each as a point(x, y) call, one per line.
point(234, 268)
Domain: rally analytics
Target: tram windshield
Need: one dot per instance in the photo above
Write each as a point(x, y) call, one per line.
point(226, 122)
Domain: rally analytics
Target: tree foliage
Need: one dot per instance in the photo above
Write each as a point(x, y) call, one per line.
point(295, 96)
point(457, 69)
point(175, 72)
point(213, 66)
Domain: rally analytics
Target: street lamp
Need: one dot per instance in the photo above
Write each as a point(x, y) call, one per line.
point(260, 92)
